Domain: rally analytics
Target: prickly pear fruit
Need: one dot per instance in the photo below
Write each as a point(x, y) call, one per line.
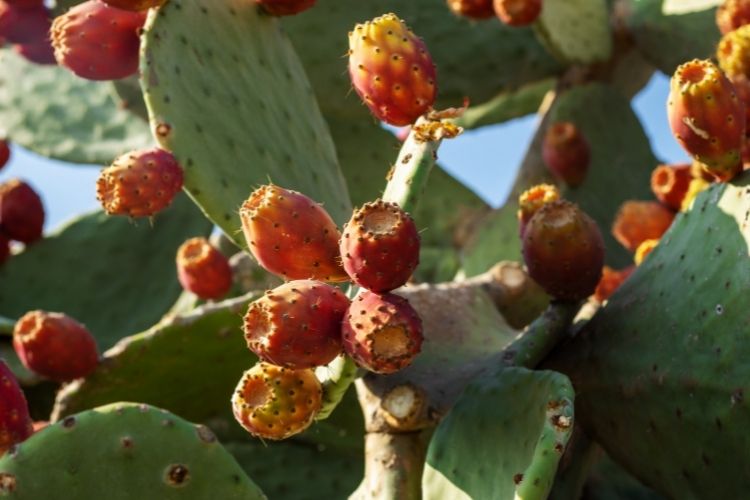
point(564, 251)
point(566, 153)
point(203, 270)
point(611, 281)
point(15, 422)
point(297, 325)
point(4, 249)
point(22, 23)
point(532, 200)
point(475, 9)
point(272, 402)
point(670, 183)
point(707, 117)
point(291, 235)
point(135, 5)
point(732, 14)
point(638, 221)
point(518, 12)
point(55, 346)
point(4, 152)
point(21, 212)
point(380, 246)
point(140, 183)
point(391, 70)
point(733, 52)
point(38, 52)
point(382, 332)
point(25, 4)
point(644, 249)
point(285, 7)
point(98, 42)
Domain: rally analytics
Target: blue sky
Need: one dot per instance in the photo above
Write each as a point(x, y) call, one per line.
point(474, 158)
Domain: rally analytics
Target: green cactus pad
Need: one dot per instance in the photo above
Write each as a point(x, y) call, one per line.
point(608, 481)
point(228, 96)
point(129, 96)
point(670, 37)
point(661, 369)
point(52, 112)
point(124, 451)
point(507, 105)
point(621, 165)
point(115, 275)
point(576, 31)
point(503, 439)
point(515, 59)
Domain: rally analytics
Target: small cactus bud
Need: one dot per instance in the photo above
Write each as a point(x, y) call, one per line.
point(638, 221)
point(291, 235)
point(391, 70)
point(15, 421)
point(203, 270)
point(518, 12)
point(611, 281)
point(532, 200)
point(380, 246)
point(297, 325)
point(566, 153)
point(285, 7)
point(643, 250)
point(21, 212)
point(474, 9)
point(732, 14)
point(670, 183)
point(564, 251)
point(382, 333)
point(271, 402)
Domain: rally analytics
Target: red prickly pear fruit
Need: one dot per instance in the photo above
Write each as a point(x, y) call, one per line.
point(55, 346)
point(475, 9)
point(23, 23)
point(272, 402)
point(98, 42)
point(203, 270)
point(566, 153)
point(4, 153)
point(4, 249)
point(391, 70)
point(38, 52)
point(380, 246)
point(297, 325)
point(670, 183)
point(25, 4)
point(638, 221)
point(21, 212)
point(611, 281)
point(707, 117)
point(135, 5)
point(291, 235)
point(518, 12)
point(732, 14)
point(564, 251)
point(643, 250)
point(382, 332)
point(140, 183)
point(285, 7)
point(733, 53)
point(15, 421)
point(532, 200)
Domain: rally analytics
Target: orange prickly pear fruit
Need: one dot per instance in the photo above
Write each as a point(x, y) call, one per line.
point(670, 183)
point(272, 402)
point(707, 117)
point(643, 250)
point(732, 14)
point(285, 7)
point(638, 221)
point(564, 251)
point(611, 281)
point(566, 153)
point(291, 235)
point(203, 270)
point(532, 200)
point(733, 53)
point(391, 70)
point(475, 9)
point(518, 12)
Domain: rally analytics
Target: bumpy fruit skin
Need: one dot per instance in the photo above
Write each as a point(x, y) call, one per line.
point(518, 12)
point(55, 346)
point(297, 325)
point(21, 212)
point(380, 246)
point(670, 183)
point(4, 153)
point(732, 14)
point(707, 117)
point(643, 250)
point(391, 70)
point(564, 251)
point(382, 332)
point(291, 235)
point(532, 200)
point(135, 5)
point(611, 281)
point(638, 221)
point(285, 7)
point(272, 402)
point(140, 183)
point(98, 42)
point(22, 23)
point(475, 9)
point(566, 153)
point(203, 270)
point(15, 422)
point(733, 52)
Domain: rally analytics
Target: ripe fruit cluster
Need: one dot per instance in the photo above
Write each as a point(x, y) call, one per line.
point(510, 12)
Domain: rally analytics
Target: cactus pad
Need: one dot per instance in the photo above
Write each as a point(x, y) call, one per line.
point(576, 31)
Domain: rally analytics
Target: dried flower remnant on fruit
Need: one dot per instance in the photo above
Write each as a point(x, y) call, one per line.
point(532, 200)
point(643, 250)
